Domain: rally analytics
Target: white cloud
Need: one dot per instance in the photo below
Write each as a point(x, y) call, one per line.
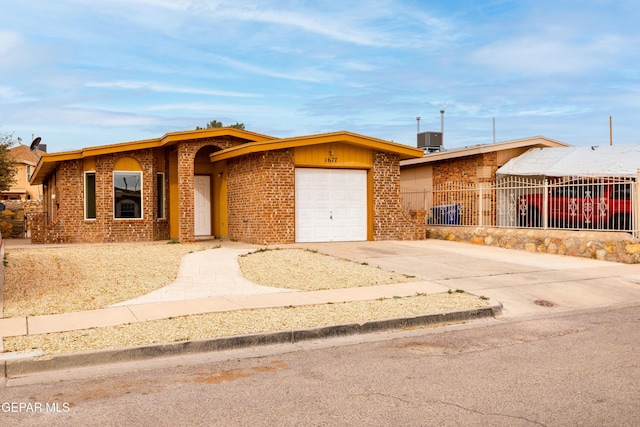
point(10, 94)
point(156, 87)
point(550, 52)
point(307, 74)
point(376, 24)
point(9, 40)
point(174, 5)
point(144, 67)
point(265, 110)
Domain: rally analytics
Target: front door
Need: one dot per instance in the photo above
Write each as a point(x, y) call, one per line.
point(202, 205)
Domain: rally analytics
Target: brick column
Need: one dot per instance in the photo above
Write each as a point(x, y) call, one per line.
point(390, 222)
point(36, 225)
point(186, 218)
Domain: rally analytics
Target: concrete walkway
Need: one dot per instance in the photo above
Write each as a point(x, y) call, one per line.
point(206, 274)
point(525, 283)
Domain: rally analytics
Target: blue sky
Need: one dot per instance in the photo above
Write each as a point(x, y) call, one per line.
point(80, 73)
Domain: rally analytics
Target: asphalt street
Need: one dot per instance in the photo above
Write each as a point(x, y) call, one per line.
point(565, 369)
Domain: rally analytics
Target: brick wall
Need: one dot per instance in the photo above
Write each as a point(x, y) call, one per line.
point(261, 197)
point(187, 152)
point(261, 191)
point(161, 226)
point(64, 221)
point(465, 169)
point(186, 214)
point(390, 222)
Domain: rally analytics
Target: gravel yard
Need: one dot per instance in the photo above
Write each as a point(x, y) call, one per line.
point(241, 322)
point(64, 279)
point(52, 280)
point(308, 270)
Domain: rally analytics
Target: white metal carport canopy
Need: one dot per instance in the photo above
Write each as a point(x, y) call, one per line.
point(606, 161)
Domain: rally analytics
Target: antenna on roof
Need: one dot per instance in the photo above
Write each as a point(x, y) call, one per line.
point(35, 143)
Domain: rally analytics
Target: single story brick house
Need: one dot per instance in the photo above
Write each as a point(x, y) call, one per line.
point(226, 182)
point(471, 165)
point(440, 182)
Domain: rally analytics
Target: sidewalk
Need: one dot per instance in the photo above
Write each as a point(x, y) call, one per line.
point(131, 313)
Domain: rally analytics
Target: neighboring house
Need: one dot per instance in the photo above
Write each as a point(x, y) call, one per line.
point(226, 182)
point(474, 164)
point(25, 161)
point(437, 179)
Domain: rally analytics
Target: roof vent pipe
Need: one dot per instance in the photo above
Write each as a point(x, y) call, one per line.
point(442, 126)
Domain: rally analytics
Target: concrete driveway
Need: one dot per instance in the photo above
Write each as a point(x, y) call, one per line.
point(526, 283)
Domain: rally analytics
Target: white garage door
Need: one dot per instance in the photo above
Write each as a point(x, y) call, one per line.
point(331, 205)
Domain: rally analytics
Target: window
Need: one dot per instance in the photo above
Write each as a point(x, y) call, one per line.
point(160, 185)
point(127, 194)
point(28, 173)
point(90, 195)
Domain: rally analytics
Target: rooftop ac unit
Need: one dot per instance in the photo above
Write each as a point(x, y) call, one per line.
point(430, 140)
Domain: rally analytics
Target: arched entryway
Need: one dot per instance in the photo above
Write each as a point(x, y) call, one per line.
point(209, 195)
point(196, 184)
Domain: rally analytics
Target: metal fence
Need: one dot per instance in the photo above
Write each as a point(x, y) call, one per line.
point(606, 204)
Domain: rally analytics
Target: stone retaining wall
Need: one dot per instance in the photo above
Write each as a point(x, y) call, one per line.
point(607, 246)
point(12, 219)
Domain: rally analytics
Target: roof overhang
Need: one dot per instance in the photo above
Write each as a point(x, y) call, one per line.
point(49, 161)
point(536, 141)
point(26, 162)
point(404, 151)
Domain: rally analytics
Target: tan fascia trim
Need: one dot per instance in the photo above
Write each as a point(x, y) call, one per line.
point(485, 148)
point(404, 151)
point(51, 160)
point(174, 137)
point(166, 140)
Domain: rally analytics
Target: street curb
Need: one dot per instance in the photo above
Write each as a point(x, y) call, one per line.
point(14, 368)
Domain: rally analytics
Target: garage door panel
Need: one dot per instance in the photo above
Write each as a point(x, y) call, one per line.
point(331, 205)
point(305, 234)
point(340, 195)
point(305, 214)
point(356, 196)
point(355, 214)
